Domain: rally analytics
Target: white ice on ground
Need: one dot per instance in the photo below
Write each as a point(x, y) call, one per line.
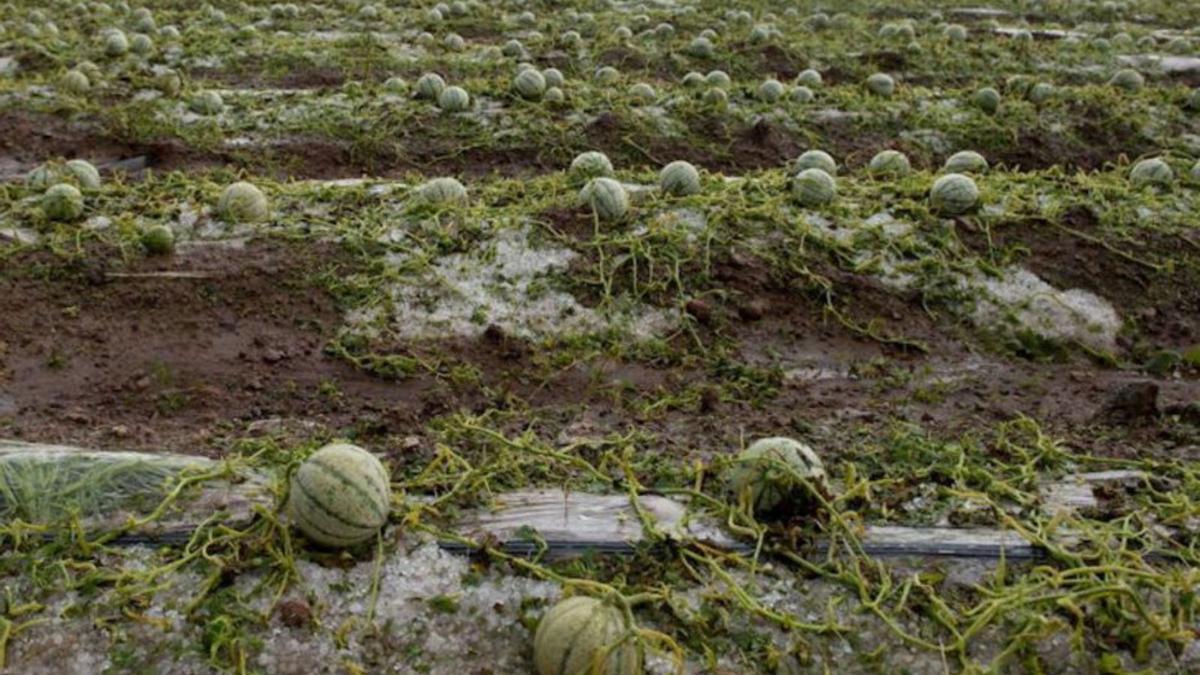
point(1016, 300)
point(507, 281)
point(1021, 300)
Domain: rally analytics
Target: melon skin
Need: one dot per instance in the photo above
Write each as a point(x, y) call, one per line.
point(817, 159)
point(679, 178)
point(591, 164)
point(530, 84)
point(430, 86)
point(440, 191)
point(242, 202)
point(814, 187)
point(966, 161)
point(953, 194)
point(770, 91)
point(607, 198)
point(987, 100)
point(62, 202)
point(1151, 172)
point(585, 636)
point(340, 496)
point(881, 84)
point(890, 163)
point(809, 78)
point(770, 486)
point(454, 99)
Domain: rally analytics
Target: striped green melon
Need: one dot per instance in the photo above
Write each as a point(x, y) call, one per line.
point(771, 91)
point(340, 495)
point(766, 473)
point(1151, 172)
point(242, 202)
point(62, 202)
point(607, 198)
point(1128, 79)
point(881, 84)
point(430, 86)
point(679, 178)
point(591, 164)
point(987, 100)
point(890, 163)
point(454, 99)
point(814, 187)
point(529, 84)
point(965, 161)
point(953, 194)
point(816, 159)
point(809, 78)
point(586, 636)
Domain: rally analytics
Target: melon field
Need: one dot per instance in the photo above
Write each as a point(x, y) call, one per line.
point(571, 337)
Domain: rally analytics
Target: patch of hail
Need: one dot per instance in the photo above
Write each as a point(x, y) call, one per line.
point(1014, 301)
point(508, 281)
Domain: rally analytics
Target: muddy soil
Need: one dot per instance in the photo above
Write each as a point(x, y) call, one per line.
point(99, 356)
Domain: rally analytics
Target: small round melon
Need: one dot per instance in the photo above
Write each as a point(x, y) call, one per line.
point(716, 97)
point(955, 32)
point(1018, 85)
point(62, 202)
point(1151, 172)
point(718, 78)
point(553, 77)
point(430, 86)
point(607, 75)
point(454, 42)
point(158, 240)
point(953, 194)
point(607, 197)
point(554, 95)
point(1040, 93)
point(1128, 79)
point(679, 178)
point(769, 472)
point(83, 173)
point(74, 82)
point(44, 176)
point(529, 84)
point(881, 84)
point(443, 191)
point(142, 44)
point(206, 102)
point(591, 164)
point(890, 163)
point(802, 95)
point(1193, 101)
point(340, 496)
point(643, 93)
point(809, 78)
point(816, 159)
point(966, 161)
point(586, 636)
point(770, 91)
point(513, 49)
point(242, 202)
point(115, 43)
point(395, 85)
point(814, 187)
point(168, 82)
point(701, 48)
point(693, 80)
point(454, 99)
point(987, 100)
